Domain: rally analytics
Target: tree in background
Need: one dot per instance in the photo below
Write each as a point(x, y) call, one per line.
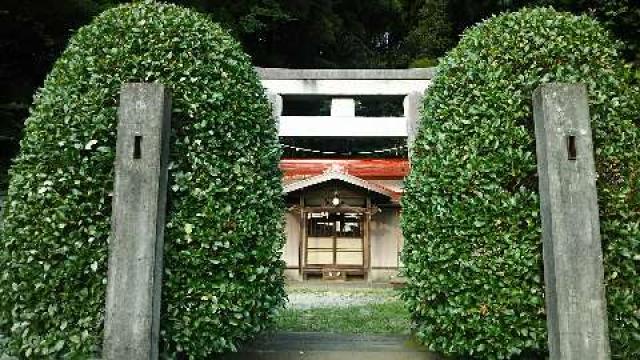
point(278, 33)
point(430, 35)
point(623, 18)
point(32, 35)
point(320, 33)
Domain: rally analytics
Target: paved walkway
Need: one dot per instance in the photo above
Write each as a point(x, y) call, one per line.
point(322, 346)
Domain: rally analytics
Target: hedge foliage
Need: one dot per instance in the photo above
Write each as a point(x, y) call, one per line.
point(473, 250)
point(223, 279)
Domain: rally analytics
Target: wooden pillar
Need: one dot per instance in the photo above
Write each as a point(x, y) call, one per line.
point(367, 238)
point(572, 251)
point(303, 235)
point(134, 279)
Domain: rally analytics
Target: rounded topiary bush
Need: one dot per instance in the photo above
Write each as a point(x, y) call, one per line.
point(473, 252)
point(223, 279)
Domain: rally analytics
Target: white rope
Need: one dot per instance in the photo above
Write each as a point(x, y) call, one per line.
point(379, 151)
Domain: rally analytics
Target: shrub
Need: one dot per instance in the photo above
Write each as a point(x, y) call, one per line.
point(423, 63)
point(223, 277)
point(473, 250)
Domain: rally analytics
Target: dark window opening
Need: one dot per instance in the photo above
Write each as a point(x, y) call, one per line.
point(379, 106)
point(320, 225)
point(137, 147)
point(350, 226)
point(344, 147)
point(571, 147)
point(301, 105)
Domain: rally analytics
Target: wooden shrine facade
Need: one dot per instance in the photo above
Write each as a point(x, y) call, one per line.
point(340, 223)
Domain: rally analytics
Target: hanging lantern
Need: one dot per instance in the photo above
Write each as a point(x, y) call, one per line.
point(336, 199)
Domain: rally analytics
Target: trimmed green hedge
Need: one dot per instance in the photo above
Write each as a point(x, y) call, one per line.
point(473, 250)
point(223, 280)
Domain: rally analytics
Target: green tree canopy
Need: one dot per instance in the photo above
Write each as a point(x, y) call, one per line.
point(223, 274)
point(471, 221)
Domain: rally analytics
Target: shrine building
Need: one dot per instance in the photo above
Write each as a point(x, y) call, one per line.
point(346, 136)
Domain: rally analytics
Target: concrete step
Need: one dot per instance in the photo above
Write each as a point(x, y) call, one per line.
point(323, 346)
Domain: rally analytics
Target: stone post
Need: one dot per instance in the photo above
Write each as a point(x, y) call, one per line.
point(134, 279)
point(276, 106)
point(412, 108)
point(572, 251)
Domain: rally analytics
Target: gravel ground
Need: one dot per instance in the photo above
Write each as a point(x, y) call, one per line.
point(307, 298)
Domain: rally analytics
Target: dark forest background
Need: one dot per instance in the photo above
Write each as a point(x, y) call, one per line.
point(277, 33)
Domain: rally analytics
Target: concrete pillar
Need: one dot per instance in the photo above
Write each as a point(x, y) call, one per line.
point(412, 110)
point(134, 279)
point(343, 107)
point(276, 104)
point(572, 251)
point(276, 107)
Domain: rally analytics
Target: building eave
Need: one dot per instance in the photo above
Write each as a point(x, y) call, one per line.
point(340, 176)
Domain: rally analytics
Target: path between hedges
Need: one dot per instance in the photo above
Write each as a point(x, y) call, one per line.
point(323, 346)
point(304, 345)
point(288, 345)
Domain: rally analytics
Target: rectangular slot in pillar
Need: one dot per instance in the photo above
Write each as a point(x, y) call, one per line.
point(134, 278)
point(572, 153)
point(137, 147)
point(572, 250)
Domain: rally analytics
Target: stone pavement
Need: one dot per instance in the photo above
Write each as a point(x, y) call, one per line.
point(323, 346)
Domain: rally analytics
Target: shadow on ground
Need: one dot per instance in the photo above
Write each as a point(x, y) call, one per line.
point(324, 346)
